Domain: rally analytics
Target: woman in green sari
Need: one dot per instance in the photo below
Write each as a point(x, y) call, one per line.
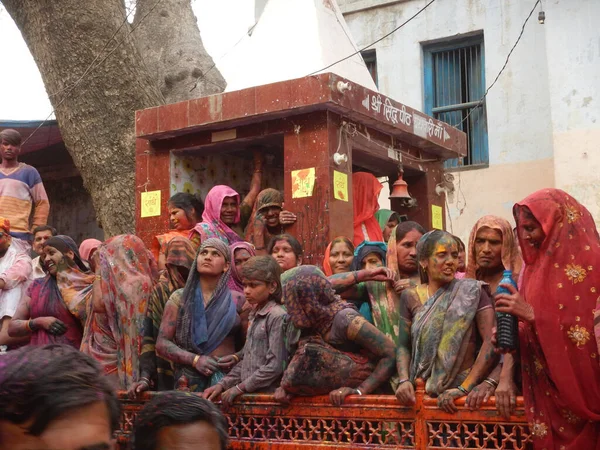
point(439, 336)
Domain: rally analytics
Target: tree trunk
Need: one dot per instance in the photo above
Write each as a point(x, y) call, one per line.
point(169, 41)
point(96, 118)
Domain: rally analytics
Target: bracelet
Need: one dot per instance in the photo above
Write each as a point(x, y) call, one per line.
point(463, 390)
point(237, 358)
point(355, 277)
point(358, 390)
point(403, 381)
point(196, 358)
point(491, 382)
point(31, 325)
point(238, 388)
point(146, 379)
point(28, 326)
point(98, 277)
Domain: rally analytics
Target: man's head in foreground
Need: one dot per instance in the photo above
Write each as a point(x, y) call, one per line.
point(178, 420)
point(54, 397)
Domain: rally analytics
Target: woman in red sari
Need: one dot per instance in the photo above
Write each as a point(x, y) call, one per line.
point(556, 304)
point(365, 195)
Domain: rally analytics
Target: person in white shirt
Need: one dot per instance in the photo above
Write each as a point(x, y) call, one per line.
point(40, 235)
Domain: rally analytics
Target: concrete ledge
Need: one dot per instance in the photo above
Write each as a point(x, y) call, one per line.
point(363, 5)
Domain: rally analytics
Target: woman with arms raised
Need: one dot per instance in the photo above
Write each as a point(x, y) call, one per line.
point(439, 334)
point(201, 321)
point(43, 313)
point(336, 332)
point(558, 310)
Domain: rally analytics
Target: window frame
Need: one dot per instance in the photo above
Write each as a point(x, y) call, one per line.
point(428, 92)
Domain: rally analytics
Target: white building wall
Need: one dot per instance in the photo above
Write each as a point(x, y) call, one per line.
point(531, 126)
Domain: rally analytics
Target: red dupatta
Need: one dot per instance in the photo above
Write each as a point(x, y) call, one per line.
point(559, 354)
point(365, 198)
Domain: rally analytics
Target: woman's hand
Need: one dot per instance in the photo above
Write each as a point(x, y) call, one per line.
point(379, 274)
point(228, 397)
point(212, 393)
point(206, 365)
point(287, 218)
point(406, 394)
point(506, 396)
point(446, 400)
point(514, 304)
point(337, 396)
point(51, 325)
point(401, 284)
point(138, 387)
point(479, 395)
point(281, 396)
point(226, 363)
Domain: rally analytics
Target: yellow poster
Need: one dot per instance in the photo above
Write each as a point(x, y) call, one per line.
point(340, 185)
point(303, 183)
point(437, 221)
point(150, 204)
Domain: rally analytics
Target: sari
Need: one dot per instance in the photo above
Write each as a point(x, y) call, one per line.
point(383, 216)
point(235, 280)
point(257, 232)
point(327, 270)
point(212, 226)
point(201, 328)
point(440, 333)
point(127, 271)
point(511, 256)
point(365, 197)
point(73, 278)
point(179, 254)
point(559, 351)
point(160, 242)
point(47, 301)
point(87, 247)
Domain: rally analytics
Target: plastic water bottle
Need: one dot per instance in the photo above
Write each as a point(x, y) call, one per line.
point(507, 325)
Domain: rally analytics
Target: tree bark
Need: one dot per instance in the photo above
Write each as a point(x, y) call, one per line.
point(169, 41)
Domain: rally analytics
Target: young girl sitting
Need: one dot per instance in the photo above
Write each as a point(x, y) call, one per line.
point(262, 365)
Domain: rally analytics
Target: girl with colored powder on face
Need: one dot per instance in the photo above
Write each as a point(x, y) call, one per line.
point(264, 354)
point(559, 316)
point(438, 332)
point(43, 314)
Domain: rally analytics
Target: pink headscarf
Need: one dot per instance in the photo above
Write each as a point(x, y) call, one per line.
point(87, 247)
point(212, 226)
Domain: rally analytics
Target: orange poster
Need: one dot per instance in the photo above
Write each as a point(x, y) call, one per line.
point(303, 183)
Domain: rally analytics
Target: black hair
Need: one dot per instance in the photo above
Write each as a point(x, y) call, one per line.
point(345, 240)
point(403, 228)
point(425, 248)
point(175, 408)
point(188, 202)
point(265, 269)
point(296, 247)
point(461, 244)
point(40, 383)
point(41, 228)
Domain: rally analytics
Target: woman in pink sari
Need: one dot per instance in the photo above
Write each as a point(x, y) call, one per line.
point(125, 276)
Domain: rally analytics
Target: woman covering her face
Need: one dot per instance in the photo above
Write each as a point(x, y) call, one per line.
point(438, 332)
point(559, 314)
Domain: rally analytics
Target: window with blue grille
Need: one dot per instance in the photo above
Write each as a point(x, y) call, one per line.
point(454, 84)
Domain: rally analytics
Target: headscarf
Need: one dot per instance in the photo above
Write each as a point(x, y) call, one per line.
point(127, 271)
point(365, 198)
point(212, 226)
point(87, 247)
point(326, 264)
point(559, 352)
point(511, 257)
point(180, 253)
point(202, 329)
point(73, 278)
point(235, 281)
point(383, 217)
point(364, 249)
point(309, 298)
point(256, 231)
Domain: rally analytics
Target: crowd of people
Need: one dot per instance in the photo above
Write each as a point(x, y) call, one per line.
point(223, 305)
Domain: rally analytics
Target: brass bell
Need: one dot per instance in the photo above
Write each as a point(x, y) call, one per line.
point(400, 189)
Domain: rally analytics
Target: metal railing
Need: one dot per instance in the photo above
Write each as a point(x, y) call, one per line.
point(372, 421)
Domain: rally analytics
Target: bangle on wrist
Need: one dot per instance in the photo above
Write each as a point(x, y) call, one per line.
point(491, 382)
point(195, 361)
point(358, 391)
point(403, 381)
point(355, 273)
point(237, 358)
point(31, 325)
point(237, 386)
point(463, 390)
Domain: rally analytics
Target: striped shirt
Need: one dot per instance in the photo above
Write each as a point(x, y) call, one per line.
point(21, 191)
